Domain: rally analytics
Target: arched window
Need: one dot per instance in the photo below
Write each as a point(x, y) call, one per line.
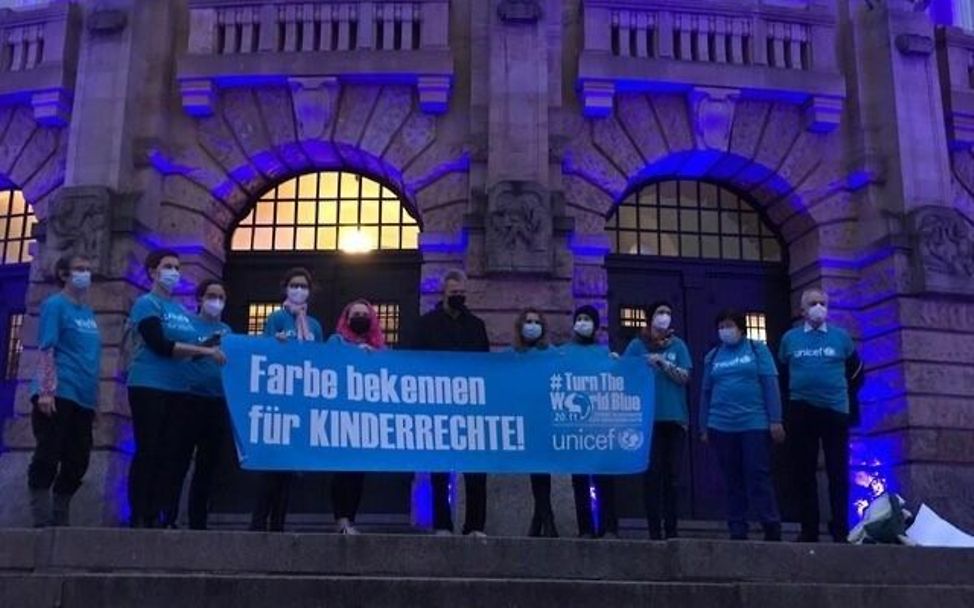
point(691, 220)
point(327, 211)
point(16, 221)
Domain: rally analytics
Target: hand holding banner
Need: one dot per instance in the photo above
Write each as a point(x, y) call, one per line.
point(332, 407)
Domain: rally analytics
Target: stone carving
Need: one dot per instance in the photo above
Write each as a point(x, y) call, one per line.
point(315, 101)
point(713, 115)
point(519, 11)
point(943, 250)
point(914, 44)
point(519, 228)
point(80, 221)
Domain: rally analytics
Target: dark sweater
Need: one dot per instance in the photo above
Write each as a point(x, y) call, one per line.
point(437, 330)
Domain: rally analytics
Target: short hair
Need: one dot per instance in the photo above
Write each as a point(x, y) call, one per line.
point(297, 271)
point(652, 308)
point(735, 316)
point(454, 275)
point(63, 264)
point(156, 256)
point(206, 284)
point(813, 290)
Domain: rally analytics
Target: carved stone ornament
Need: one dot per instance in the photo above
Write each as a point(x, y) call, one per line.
point(943, 249)
point(518, 228)
point(914, 44)
point(80, 222)
point(712, 112)
point(519, 11)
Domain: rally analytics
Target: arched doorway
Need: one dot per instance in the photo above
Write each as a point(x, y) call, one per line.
point(359, 238)
point(16, 223)
point(703, 248)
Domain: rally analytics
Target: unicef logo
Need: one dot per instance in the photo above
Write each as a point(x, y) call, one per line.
point(579, 405)
point(746, 359)
point(829, 351)
point(631, 439)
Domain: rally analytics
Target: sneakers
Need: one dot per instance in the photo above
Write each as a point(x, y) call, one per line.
point(345, 526)
point(477, 534)
point(442, 533)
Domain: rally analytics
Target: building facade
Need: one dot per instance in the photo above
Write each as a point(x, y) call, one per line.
point(562, 152)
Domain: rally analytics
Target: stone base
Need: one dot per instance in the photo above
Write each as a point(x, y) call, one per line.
point(510, 505)
point(101, 500)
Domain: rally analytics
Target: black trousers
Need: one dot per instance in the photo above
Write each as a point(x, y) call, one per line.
point(605, 490)
point(270, 508)
point(660, 479)
point(346, 494)
point(475, 486)
point(63, 447)
point(148, 484)
point(811, 426)
point(581, 488)
point(197, 425)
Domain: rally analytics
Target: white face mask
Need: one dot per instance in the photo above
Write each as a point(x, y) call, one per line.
point(729, 335)
point(662, 321)
point(584, 328)
point(531, 330)
point(213, 306)
point(297, 295)
point(80, 279)
point(817, 313)
point(169, 278)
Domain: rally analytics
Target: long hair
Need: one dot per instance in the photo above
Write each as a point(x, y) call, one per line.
point(519, 342)
point(374, 337)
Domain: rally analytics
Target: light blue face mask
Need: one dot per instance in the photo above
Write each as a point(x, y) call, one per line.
point(80, 279)
point(531, 331)
point(729, 335)
point(168, 278)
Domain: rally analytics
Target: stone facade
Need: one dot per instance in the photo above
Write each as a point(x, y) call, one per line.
point(513, 128)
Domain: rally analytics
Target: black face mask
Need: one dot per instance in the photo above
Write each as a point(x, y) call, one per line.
point(456, 302)
point(360, 325)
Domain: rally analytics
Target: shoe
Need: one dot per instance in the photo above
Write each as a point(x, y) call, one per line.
point(548, 529)
point(443, 533)
point(350, 530)
point(611, 536)
point(586, 536)
point(477, 534)
point(772, 532)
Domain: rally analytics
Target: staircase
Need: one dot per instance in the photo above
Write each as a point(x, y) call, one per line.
point(116, 568)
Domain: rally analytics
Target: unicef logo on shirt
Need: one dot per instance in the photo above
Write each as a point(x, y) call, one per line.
point(671, 356)
point(745, 359)
point(829, 351)
point(631, 439)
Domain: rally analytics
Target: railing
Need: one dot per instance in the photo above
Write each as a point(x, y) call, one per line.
point(33, 38)
point(223, 27)
point(741, 33)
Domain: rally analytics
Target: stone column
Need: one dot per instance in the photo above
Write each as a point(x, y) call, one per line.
point(918, 415)
point(105, 209)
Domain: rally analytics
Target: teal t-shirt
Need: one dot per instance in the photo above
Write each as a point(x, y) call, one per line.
point(816, 366)
point(671, 398)
point(148, 369)
point(282, 321)
point(203, 374)
point(733, 376)
point(70, 329)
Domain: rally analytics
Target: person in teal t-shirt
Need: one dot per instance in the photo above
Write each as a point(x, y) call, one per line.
point(164, 338)
point(64, 393)
point(199, 424)
point(740, 414)
point(291, 322)
point(818, 356)
point(585, 327)
point(669, 361)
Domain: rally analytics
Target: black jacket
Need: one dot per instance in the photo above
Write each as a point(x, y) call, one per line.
point(437, 330)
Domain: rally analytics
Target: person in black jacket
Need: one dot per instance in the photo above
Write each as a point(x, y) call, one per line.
point(450, 326)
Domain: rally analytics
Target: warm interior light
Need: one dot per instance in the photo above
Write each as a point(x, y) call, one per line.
point(355, 241)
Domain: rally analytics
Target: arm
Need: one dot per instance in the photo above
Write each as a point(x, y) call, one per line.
point(484, 340)
point(150, 328)
point(674, 372)
point(48, 332)
point(772, 398)
point(706, 394)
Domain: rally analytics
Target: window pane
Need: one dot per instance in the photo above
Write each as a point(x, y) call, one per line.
point(771, 250)
point(649, 243)
point(18, 205)
point(327, 239)
point(3, 228)
point(328, 182)
point(749, 223)
point(327, 213)
point(690, 246)
point(390, 237)
point(667, 219)
point(731, 248)
point(284, 239)
point(306, 213)
point(349, 185)
point(410, 237)
point(688, 221)
point(285, 212)
point(708, 196)
point(390, 212)
point(241, 239)
point(16, 228)
point(370, 188)
point(5, 202)
point(709, 223)
point(371, 234)
point(348, 212)
point(263, 239)
point(307, 186)
point(12, 255)
point(305, 239)
point(730, 222)
point(669, 246)
point(287, 190)
point(627, 217)
point(688, 193)
point(265, 212)
point(751, 249)
point(627, 243)
point(370, 212)
point(710, 246)
point(647, 218)
point(249, 220)
point(667, 194)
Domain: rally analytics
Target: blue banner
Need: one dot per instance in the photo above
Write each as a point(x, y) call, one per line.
point(335, 407)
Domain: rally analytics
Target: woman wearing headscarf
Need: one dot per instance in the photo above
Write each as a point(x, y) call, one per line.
point(359, 326)
point(290, 323)
point(668, 359)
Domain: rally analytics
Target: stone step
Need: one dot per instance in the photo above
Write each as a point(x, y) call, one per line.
point(176, 552)
point(246, 591)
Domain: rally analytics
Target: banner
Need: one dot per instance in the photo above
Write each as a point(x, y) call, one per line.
point(334, 407)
